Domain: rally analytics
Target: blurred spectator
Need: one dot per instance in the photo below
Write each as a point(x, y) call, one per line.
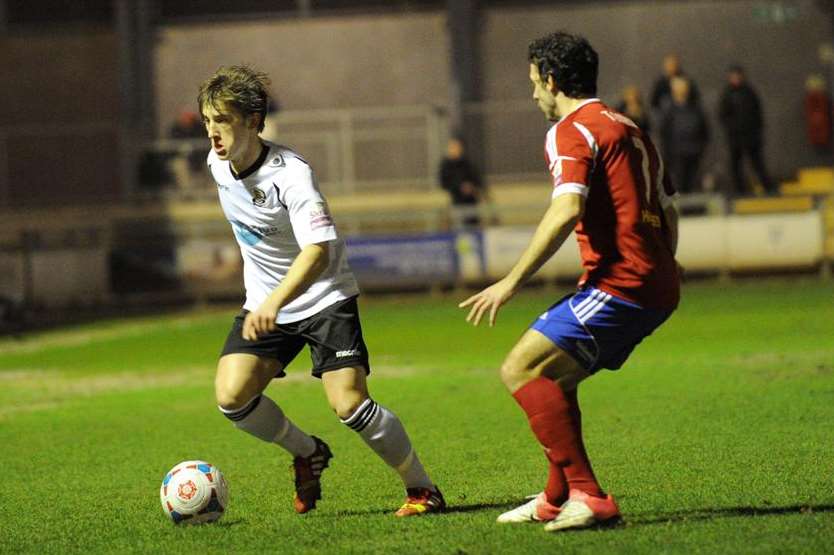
point(684, 135)
point(818, 113)
point(631, 105)
point(191, 159)
point(662, 92)
point(740, 113)
point(188, 126)
point(463, 182)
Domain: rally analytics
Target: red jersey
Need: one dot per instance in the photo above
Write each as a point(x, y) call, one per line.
point(596, 152)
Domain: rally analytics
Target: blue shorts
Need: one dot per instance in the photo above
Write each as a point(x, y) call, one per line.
point(597, 329)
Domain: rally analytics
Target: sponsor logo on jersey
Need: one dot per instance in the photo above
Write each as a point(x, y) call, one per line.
point(651, 219)
point(350, 353)
point(258, 197)
point(250, 234)
point(320, 216)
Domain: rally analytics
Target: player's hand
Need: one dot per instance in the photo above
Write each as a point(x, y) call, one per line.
point(259, 322)
point(488, 300)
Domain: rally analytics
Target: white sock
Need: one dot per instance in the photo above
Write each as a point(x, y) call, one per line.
point(384, 433)
point(265, 420)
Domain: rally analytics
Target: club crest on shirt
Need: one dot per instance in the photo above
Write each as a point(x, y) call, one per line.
point(277, 162)
point(258, 197)
point(320, 216)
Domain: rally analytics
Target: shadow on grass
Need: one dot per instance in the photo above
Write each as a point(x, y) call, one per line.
point(365, 512)
point(475, 507)
point(692, 515)
point(456, 508)
point(695, 515)
point(227, 523)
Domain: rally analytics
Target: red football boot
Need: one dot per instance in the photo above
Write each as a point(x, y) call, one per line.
point(308, 472)
point(582, 510)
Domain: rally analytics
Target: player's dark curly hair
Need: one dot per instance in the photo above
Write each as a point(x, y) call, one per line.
point(242, 87)
point(570, 60)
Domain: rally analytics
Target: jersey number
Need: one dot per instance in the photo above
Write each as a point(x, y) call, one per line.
point(647, 172)
point(641, 146)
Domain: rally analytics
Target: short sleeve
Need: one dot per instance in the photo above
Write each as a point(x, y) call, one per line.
point(309, 215)
point(570, 150)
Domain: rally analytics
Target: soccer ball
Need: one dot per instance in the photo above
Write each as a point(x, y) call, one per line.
point(194, 492)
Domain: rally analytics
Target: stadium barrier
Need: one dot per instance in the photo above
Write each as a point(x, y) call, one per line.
point(55, 268)
point(708, 244)
point(752, 242)
point(404, 261)
point(191, 257)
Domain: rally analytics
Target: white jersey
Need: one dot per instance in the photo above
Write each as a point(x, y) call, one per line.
point(276, 209)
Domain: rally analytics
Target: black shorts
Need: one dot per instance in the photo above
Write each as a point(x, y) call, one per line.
point(334, 336)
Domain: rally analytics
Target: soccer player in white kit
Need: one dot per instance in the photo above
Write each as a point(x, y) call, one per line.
point(299, 290)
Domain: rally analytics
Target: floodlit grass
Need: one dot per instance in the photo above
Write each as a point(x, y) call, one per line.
point(716, 437)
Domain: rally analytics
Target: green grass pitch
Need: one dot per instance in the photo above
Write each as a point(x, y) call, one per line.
point(716, 437)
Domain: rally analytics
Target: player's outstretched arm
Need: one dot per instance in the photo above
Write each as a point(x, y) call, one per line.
point(305, 269)
point(558, 222)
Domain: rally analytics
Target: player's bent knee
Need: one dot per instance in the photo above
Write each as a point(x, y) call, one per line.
point(230, 394)
point(230, 399)
point(346, 404)
point(346, 409)
point(514, 374)
point(236, 384)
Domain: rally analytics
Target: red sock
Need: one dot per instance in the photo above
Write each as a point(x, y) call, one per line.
point(556, 489)
point(554, 420)
point(581, 482)
point(572, 397)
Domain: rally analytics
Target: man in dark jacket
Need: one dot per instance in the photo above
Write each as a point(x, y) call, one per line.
point(741, 115)
point(463, 181)
point(684, 134)
point(662, 90)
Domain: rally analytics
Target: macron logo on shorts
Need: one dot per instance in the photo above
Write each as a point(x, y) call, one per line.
point(351, 353)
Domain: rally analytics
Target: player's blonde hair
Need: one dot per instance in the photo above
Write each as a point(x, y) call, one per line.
point(241, 87)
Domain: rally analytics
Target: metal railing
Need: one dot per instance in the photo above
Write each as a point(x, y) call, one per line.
point(378, 149)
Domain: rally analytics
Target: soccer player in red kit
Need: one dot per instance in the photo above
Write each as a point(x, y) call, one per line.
point(608, 186)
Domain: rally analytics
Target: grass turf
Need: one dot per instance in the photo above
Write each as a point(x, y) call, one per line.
point(715, 437)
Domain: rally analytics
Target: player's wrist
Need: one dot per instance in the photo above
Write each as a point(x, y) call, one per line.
point(272, 304)
point(513, 281)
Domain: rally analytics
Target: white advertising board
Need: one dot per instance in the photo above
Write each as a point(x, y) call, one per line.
point(504, 245)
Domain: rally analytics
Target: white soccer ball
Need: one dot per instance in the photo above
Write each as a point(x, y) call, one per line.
point(194, 492)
